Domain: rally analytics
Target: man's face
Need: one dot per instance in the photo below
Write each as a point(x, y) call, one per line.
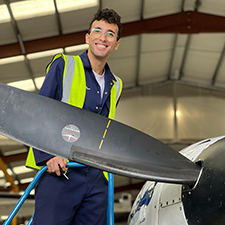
point(102, 39)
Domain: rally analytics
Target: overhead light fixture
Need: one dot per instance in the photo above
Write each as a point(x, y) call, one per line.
point(22, 192)
point(35, 8)
point(76, 48)
point(5, 17)
point(32, 8)
point(9, 171)
point(69, 5)
point(26, 180)
point(21, 169)
point(2, 174)
point(44, 53)
point(26, 85)
point(4, 217)
point(13, 59)
point(2, 182)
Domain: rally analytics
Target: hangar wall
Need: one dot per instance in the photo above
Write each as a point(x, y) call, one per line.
point(174, 111)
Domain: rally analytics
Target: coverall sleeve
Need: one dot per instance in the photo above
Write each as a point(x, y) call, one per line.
point(52, 88)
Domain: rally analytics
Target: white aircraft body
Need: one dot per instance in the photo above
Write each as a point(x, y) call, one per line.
point(173, 204)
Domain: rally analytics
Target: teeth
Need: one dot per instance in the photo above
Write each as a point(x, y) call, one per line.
point(101, 46)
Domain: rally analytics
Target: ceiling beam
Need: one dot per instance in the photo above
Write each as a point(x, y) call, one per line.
point(14, 158)
point(184, 22)
point(184, 59)
point(59, 24)
point(172, 57)
point(20, 42)
point(218, 66)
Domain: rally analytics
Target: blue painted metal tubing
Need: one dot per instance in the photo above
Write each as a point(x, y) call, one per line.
point(110, 212)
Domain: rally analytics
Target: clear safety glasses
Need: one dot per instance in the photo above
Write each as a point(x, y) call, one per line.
point(109, 35)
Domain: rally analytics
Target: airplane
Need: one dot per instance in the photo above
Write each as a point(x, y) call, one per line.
point(176, 204)
point(183, 188)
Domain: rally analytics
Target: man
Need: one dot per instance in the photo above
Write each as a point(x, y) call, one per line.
point(84, 81)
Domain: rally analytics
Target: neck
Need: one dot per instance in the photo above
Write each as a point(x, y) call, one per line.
point(97, 64)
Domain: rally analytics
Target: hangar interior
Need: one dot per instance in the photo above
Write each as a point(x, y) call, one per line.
point(171, 60)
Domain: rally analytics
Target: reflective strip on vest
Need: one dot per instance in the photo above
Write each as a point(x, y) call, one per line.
point(74, 92)
point(74, 81)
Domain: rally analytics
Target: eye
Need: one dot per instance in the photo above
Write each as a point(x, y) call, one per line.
point(111, 34)
point(96, 30)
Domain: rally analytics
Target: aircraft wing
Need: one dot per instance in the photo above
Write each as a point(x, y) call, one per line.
point(90, 139)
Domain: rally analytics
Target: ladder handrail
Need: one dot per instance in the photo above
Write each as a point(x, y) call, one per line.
point(110, 210)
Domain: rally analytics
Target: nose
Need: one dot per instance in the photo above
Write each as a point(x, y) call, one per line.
point(102, 37)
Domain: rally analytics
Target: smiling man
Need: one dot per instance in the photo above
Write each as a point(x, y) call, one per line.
point(84, 81)
point(102, 40)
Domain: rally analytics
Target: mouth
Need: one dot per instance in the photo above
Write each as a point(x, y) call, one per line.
point(101, 46)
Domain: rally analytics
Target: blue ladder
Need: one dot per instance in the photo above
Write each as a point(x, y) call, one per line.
point(110, 210)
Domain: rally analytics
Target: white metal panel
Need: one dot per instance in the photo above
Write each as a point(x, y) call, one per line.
point(2, 182)
point(123, 61)
point(155, 57)
point(13, 72)
point(208, 42)
point(125, 68)
point(200, 66)
point(38, 27)
point(154, 205)
point(129, 10)
point(128, 48)
point(156, 42)
point(7, 34)
point(203, 56)
point(171, 211)
point(154, 67)
point(38, 65)
point(216, 7)
point(153, 8)
point(146, 206)
point(178, 56)
point(171, 194)
point(193, 151)
point(149, 207)
point(172, 215)
point(77, 20)
point(220, 80)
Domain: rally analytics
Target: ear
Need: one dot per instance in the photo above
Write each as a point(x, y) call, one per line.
point(117, 45)
point(87, 37)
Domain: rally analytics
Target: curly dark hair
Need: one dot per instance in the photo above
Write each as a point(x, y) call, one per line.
point(110, 16)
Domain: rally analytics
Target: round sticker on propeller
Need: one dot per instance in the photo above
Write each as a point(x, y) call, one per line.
point(70, 133)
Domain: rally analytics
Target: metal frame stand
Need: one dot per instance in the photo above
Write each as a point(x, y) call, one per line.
point(110, 210)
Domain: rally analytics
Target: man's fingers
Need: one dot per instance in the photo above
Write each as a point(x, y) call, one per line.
point(63, 164)
point(53, 165)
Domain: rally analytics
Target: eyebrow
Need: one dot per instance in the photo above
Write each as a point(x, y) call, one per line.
point(107, 30)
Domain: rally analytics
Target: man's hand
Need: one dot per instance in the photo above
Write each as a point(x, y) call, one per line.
point(53, 165)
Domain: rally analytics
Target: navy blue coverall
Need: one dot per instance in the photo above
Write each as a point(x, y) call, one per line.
point(81, 200)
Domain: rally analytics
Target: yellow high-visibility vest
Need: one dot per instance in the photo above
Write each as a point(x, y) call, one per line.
point(74, 92)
